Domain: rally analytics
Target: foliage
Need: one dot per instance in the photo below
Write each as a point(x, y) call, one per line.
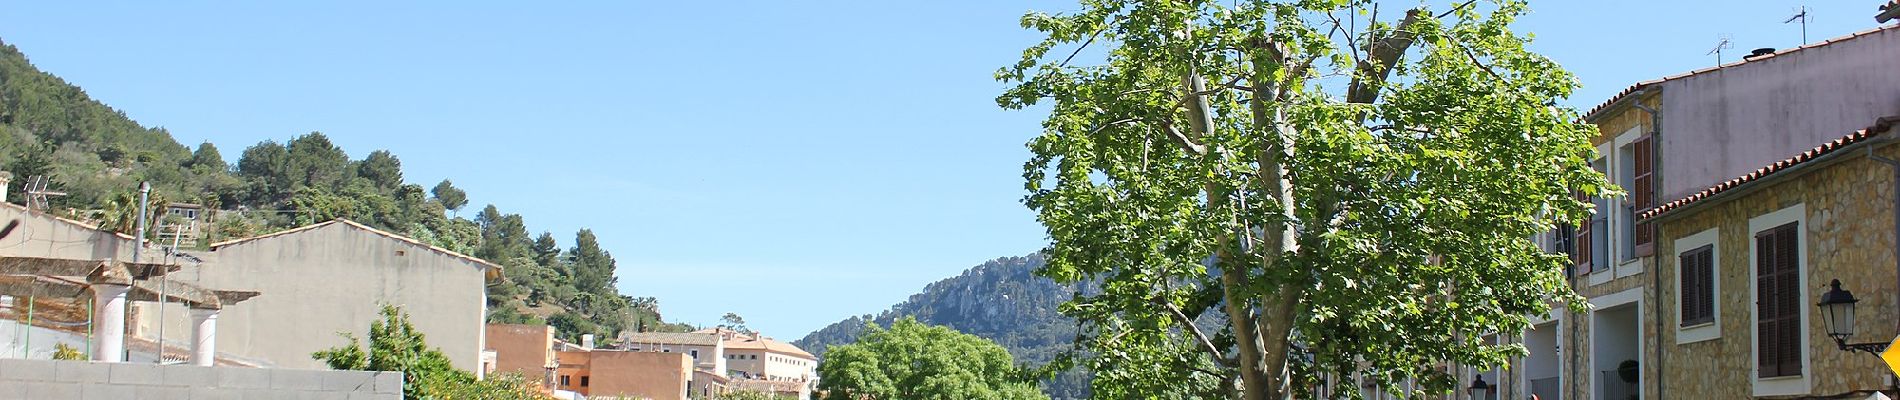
point(395, 345)
point(734, 322)
point(451, 197)
point(751, 395)
point(61, 351)
point(1000, 300)
point(98, 156)
point(916, 361)
point(1343, 197)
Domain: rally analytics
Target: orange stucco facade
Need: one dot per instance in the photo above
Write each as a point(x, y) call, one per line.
point(607, 373)
point(527, 350)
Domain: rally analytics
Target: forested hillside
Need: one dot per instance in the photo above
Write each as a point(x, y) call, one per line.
point(1001, 300)
point(98, 156)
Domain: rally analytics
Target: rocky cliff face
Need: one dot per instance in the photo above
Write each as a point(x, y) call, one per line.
point(1001, 300)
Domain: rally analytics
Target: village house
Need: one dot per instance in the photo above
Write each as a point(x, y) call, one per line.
point(334, 277)
point(1752, 186)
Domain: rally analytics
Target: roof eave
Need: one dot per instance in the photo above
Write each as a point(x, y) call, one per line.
point(1879, 134)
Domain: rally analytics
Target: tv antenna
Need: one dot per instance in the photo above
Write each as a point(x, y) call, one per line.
point(1800, 13)
point(1727, 42)
point(36, 193)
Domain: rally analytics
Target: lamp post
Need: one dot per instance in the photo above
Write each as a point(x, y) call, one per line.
point(1837, 314)
point(1479, 390)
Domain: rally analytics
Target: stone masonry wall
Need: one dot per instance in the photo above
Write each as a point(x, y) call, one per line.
point(1849, 236)
point(51, 379)
point(1574, 335)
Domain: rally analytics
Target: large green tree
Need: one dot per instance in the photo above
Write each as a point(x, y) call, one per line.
point(916, 361)
point(396, 345)
point(1276, 191)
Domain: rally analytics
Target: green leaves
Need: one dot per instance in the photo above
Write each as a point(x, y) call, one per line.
point(916, 361)
point(1381, 231)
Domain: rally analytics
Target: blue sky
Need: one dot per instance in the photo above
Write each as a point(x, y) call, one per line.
point(794, 162)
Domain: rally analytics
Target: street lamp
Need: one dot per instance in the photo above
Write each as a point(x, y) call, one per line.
point(1837, 314)
point(1479, 390)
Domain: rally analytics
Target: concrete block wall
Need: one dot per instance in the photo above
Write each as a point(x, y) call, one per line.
point(53, 379)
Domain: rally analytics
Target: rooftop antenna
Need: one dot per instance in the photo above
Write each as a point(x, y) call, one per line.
point(1727, 42)
point(1800, 13)
point(36, 193)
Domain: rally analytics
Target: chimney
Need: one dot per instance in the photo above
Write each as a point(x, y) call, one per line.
point(1758, 53)
point(587, 341)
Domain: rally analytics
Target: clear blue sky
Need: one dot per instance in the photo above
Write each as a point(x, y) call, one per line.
point(794, 162)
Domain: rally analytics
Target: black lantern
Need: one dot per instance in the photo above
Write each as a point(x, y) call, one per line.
point(1837, 314)
point(1479, 390)
point(1837, 311)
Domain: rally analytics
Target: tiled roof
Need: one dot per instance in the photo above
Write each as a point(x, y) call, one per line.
point(1884, 125)
point(743, 341)
point(353, 224)
point(696, 339)
point(1645, 84)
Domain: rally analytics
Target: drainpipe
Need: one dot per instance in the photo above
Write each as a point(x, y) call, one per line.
point(1655, 242)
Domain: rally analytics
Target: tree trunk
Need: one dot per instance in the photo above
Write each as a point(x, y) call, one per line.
point(1278, 308)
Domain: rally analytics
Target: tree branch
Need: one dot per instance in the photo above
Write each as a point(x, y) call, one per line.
point(1182, 139)
point(1187, 324)
point(1381, 56)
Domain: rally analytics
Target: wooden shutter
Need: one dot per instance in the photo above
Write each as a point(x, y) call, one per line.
point(1697, 282)
point(1778, 301)
point(1643, 194)
point(1788, 293)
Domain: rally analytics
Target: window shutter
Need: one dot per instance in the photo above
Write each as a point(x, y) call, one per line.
point(1697, 304)
point(1767, 348)
point(1788, 289)
point(1582, 242)
point(1688, 302)
point(1778, 301)
point(1644, 193)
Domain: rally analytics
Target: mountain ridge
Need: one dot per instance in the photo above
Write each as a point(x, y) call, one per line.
point(1001, 300)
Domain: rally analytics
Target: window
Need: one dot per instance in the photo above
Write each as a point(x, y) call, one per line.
point(1643, 193)
point(1596, 233)
point(1624, 208)
point(564, 381)
point(695, 353)
point(1698, 285)
point(1776, 258)
point(1778, 297)
point(583, 381)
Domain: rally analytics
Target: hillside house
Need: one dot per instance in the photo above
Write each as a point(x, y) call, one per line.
point(333, 277)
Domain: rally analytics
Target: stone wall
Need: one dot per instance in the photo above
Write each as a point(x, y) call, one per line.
point(1574, 333)
point(1848, 231)
point(51, 379)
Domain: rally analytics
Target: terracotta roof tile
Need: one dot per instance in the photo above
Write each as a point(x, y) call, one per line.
point(1884, 125)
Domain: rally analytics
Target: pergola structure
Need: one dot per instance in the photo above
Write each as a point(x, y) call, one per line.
point(111, 284)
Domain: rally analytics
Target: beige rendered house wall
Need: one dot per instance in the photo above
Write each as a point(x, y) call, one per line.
point(334, 278)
